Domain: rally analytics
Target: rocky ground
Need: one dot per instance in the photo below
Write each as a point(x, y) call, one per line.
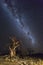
point(4, 60)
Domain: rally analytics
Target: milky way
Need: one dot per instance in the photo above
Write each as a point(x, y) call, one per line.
point(20, 21)
point(24, 19)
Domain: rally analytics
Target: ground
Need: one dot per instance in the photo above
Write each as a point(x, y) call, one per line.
point(4, 60)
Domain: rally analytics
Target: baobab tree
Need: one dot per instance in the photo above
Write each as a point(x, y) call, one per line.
point(13, 46)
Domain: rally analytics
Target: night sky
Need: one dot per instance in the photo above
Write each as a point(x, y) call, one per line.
point(23, 19)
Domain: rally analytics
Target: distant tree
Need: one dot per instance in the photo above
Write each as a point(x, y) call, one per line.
point(30, 51)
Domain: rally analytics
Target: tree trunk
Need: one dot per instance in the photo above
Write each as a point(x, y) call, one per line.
point(12, 53)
